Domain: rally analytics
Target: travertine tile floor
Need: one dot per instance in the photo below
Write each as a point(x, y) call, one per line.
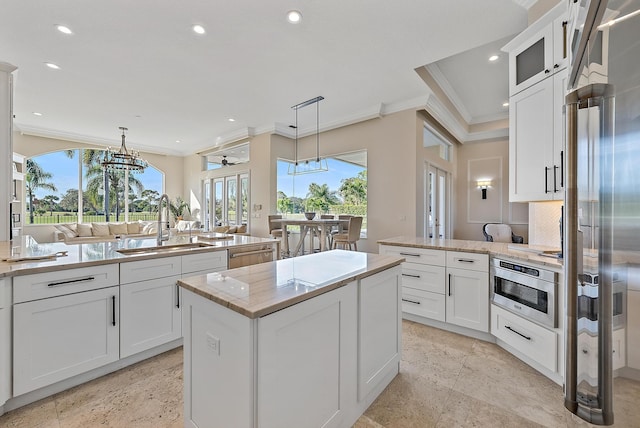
point(445, 380)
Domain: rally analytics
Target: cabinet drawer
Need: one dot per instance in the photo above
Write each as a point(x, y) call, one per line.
point(532, 340)
point(58, 283)
point(423, 303)
point(211, 261)
point(416, 255)
point(469, 261)
point(150, 269)
point(423, 277)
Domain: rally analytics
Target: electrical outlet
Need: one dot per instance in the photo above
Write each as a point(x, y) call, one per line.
point(213, 343)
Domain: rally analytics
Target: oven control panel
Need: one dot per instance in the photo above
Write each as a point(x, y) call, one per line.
point(519, 268)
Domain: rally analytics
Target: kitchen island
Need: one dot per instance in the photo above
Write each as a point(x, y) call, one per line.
point(303, 342)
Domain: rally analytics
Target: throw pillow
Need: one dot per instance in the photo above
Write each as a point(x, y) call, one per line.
point(84, 230)
point(150, 228)
point(242, 229)
point(118, 228)
point(133, 228)
point(232, 229)
point(68, 233)
point(100, 229)
point(221, 229)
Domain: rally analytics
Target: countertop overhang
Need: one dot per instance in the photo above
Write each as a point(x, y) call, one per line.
point(258, 290)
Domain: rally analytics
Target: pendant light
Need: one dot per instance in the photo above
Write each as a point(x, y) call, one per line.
point(123, 158)
point(312, 165)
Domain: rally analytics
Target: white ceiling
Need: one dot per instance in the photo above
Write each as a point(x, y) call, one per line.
point(138, 64)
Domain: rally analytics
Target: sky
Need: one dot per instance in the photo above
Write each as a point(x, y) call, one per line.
point(298, 185)
point(65, 174)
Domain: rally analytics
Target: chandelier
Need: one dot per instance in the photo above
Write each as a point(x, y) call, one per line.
point(308, 166)
point(123, 158)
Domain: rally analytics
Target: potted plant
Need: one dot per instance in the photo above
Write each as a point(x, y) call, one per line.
point(179, 208)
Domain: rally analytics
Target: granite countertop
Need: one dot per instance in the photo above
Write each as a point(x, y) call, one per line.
point(522, 252)
point(98, 253)
point(258, 290)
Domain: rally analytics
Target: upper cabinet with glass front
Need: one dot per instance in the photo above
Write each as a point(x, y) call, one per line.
point(539, 51)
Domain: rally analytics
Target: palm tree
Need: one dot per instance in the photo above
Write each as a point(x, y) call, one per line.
point(321, 197)
point(36, 178)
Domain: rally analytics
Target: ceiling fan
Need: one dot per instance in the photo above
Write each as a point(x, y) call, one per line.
point(225, 162)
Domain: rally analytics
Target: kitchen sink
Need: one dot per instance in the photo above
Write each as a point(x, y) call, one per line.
point(163, 248)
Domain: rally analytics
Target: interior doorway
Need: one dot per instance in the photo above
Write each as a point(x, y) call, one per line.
point(437, 191)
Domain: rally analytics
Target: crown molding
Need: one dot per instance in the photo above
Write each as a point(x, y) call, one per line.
point(448, 90)
point(87, 139)
point(410, 104)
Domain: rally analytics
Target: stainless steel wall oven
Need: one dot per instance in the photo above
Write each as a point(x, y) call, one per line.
point(526, 291)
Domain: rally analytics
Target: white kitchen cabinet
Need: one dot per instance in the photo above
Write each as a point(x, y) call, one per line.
point(60, 337)
point(150, 314)
point(212, 261)
point(539, 51)
point(467, 298)
point(536, 141)
point(150, 304)
point(5, 340)
point(530, 339)
point(633, 334)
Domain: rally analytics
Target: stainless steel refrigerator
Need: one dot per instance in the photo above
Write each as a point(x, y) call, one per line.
point(602, 207)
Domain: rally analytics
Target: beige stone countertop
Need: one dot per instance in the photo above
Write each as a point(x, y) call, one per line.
point(259, 290)
point(98, 253)
point(522, 252)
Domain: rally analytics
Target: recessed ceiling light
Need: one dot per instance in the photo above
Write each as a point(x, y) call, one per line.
point(231, 119)
point(35, 113)
point(52, 65)
point(198, 29)
point(493, 58)
point(178, 141)
point(64, 29)
point(294, 16)
point(505, 104)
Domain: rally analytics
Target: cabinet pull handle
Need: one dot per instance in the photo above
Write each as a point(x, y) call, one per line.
point(561, 168)
point(411, 301)
point(546, 179)
point(410, 275)
point(517, 332)
point(466, 260)
point(555, 186)
point(71, 281)
point(113, 310)
point(177, 296)
point(564, 39)
point(410, 254)
point(449, 284)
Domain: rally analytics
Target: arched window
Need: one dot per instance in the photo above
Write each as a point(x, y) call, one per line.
point(71, 186)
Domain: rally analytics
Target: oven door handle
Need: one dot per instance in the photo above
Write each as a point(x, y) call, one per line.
point(517, 332)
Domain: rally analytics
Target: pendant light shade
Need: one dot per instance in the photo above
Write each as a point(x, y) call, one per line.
point(311, 165)
point(123, 158)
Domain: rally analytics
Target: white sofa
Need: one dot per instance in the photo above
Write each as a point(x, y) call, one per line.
point(72, 233)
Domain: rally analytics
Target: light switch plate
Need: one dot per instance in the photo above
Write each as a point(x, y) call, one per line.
point(213, 343)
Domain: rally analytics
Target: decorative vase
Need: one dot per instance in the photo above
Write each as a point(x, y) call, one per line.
point(309, 216)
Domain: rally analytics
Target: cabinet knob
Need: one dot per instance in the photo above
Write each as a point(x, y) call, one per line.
point(547, 71)
point(556, 66)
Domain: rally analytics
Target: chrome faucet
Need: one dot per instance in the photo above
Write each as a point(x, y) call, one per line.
point(161, 235)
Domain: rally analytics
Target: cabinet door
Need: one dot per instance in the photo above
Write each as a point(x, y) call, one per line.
point(468, 299)
point(150, 314)
point(305, 376)
point(5, 340)
point(532, 62)
point(559, 133)
point(57, 338)
point(560, 43)
point(531, 135)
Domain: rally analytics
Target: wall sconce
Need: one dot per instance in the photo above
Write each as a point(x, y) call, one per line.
point(482, 185)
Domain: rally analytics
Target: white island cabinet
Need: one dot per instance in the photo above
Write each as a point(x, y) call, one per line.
point(263, 351)
point(5, 340)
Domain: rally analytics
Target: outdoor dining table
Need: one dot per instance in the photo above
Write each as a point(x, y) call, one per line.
point(323, 225)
